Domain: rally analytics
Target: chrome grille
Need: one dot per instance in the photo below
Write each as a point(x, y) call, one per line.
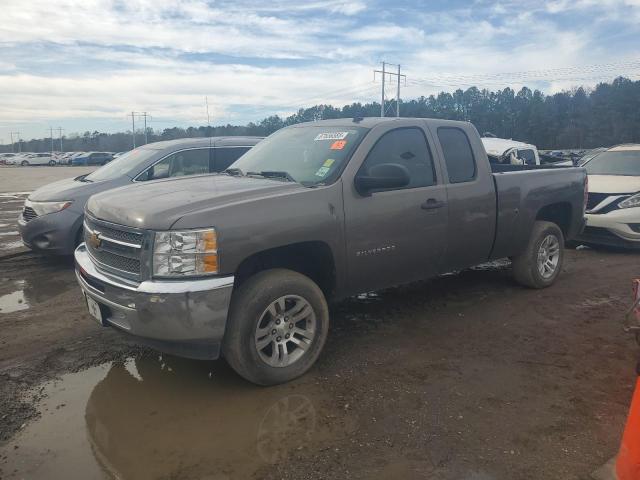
point(115, 248)
point(28, 213)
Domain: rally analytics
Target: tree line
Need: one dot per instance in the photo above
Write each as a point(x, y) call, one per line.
point(605, 115)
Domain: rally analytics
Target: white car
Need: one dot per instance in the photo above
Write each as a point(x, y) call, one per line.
point(613, 206)
point(35, 159)
point(502, 150)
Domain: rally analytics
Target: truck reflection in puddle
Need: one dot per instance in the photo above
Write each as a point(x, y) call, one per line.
point(170, 418)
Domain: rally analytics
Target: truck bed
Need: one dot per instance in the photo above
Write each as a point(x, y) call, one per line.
point(522, 191)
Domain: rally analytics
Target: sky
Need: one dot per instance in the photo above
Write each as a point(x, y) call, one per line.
point(86, 64)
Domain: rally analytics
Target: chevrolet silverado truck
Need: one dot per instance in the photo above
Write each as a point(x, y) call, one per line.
point(243, 264)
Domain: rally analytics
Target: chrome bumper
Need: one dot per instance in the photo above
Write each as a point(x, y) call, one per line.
point(183, 317)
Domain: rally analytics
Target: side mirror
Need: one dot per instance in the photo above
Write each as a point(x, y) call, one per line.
point(383, 176)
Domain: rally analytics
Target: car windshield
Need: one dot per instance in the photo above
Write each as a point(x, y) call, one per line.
point(122, 165)
point(310, 154)
point(617, 162)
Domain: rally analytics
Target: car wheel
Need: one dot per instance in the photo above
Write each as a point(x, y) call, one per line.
point(24, 163)
point(52, 163)
point(277, 326)
point(540, 264)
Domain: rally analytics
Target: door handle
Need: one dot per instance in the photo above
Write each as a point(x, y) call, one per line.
point(432, 204)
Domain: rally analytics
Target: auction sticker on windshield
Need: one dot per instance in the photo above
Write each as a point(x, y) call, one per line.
point(331, 136)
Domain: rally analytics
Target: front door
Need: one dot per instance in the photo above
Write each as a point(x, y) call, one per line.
point(397, 235)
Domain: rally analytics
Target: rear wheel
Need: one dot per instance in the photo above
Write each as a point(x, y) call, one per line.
point(540, 264)
point(52, 163)
point(24, 163)
point(278, 323)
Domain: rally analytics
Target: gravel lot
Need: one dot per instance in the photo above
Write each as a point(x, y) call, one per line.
point(467, 376)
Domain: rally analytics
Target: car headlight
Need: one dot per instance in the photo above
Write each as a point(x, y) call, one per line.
point(43, 208)
point(185, 253)
point(632, 201)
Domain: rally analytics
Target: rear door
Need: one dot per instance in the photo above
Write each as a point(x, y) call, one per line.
point(471, 196)
point(396, 235)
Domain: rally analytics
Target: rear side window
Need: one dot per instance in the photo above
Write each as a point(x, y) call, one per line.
point(406, 147)
point(457, 154)
point(225, 156)
point(527, 156)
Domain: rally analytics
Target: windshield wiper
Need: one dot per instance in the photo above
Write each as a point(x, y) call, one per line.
point(234, 172)
point(274, 174)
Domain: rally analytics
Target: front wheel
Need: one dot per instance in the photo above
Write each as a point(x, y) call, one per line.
point(52, 163)
point(540, 264)
point(278, 323)
point(24, 163)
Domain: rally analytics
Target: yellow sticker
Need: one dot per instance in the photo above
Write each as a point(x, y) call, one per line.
point(328, 162)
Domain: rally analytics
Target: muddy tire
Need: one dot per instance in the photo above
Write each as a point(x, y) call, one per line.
point(277, 326)
point(541, 262)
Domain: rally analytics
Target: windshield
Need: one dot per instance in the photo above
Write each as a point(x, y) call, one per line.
point(621, 162)
point(310, 155)
point(122, 165)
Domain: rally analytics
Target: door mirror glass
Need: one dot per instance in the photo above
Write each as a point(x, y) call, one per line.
point(381, 177)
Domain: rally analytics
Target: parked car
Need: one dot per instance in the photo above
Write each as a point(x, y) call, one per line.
point(92, 158)
point(502, 150)
point(52, 217)
point(613, 207)
point(7, 158)
point(29, 159)
point(245, 263)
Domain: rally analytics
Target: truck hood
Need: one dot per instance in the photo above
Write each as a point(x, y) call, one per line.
point(68, 189)
point(614, 184)
point(158, 205)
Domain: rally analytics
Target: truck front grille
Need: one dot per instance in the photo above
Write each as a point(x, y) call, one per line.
point(28, 213)
point(114, 248)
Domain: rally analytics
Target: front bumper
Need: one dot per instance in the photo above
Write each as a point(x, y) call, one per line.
point(616, 228)
point(182, 317)
point(53, 233)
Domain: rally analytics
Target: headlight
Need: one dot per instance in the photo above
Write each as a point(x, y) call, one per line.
point(185, 253)
point(43, 208)
point(632, 201)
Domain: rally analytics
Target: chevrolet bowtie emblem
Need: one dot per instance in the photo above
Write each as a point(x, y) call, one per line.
point(94, 239)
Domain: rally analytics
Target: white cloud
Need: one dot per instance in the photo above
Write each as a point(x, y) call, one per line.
point(98, 59)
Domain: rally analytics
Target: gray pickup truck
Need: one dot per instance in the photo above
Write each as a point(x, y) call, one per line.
point(242, 264)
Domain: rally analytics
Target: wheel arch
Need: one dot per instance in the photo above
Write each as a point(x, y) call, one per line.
point(313, 259)
point(558, 213)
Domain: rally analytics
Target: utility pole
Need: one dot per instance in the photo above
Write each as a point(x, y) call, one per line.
point(133, 128)
point(18, 136)
point(384, 73)
point(206, 102)
point(145, 115)
point(60, 130)
point(51, 138)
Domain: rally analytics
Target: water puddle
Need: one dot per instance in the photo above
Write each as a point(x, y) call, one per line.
point(168, 418)
point(14, 301)
point(35, 290)
point(11, 245)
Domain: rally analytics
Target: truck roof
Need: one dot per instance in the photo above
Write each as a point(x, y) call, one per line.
point(224, 141)
point(370, 122)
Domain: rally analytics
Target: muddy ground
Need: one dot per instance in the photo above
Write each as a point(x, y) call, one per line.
point(467, 376)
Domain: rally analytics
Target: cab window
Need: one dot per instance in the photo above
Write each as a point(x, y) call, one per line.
point(458, 156)
point(527, 156)
point(179, 164)
point(407, 147)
